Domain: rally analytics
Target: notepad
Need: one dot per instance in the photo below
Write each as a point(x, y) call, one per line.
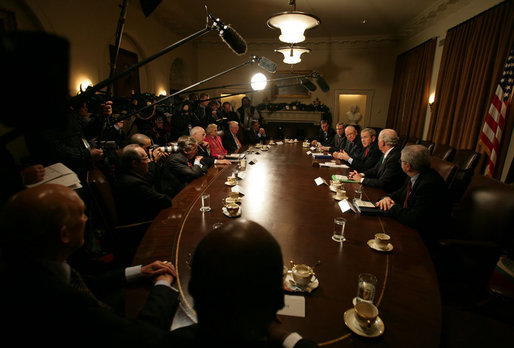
point(294, 306)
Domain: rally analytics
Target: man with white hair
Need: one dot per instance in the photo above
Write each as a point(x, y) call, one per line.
point(230, 139)
point(203, 147)
point(387, 174)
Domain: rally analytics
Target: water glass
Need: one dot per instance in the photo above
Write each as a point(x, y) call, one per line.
point(339, 225)
point(358, 192)
point(206, 202)
point(366, 287)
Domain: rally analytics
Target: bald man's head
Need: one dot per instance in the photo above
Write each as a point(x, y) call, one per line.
point(46, 221)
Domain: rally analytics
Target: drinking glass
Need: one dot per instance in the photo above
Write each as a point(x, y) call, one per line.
point(358, 192)
point(366, 287)
point(339, 225)
point(206, 202)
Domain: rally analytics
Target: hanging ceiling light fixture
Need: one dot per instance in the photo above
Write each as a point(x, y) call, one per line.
point(292, 54)
point(293, 24)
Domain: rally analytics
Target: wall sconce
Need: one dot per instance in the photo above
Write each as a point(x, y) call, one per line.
point(83, 84)
point(431, 100)
point(293, 24)
point(292, 54)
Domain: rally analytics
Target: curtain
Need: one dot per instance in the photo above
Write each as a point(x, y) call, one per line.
point(473, 57)
point(409, 97)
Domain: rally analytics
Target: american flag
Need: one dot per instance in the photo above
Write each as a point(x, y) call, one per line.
point(495, 119)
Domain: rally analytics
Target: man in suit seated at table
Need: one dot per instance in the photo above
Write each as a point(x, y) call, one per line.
point(353, 145)
point(230, 139)
point(254, 134)
point(237, 292)
point(203, 148)
point(423, 201)
point(370, 153)
point(387, 173)
point(185, 165)
point(41, 228)
point(339, 140)
point(326, 135)
point(137, 199)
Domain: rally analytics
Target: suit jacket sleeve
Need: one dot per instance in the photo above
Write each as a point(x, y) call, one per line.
point(390, 178)
point(160, 307)
point(180, 167)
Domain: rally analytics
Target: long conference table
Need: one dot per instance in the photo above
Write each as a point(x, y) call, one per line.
point(280, 193)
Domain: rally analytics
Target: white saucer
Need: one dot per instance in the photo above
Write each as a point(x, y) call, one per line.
point(373, 245)
point(237, 200)
point(290, 285)
point(225, 211)
point(229, 184)
point(376, 330)
point(340, 198)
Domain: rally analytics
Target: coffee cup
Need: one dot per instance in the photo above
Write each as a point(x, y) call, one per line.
point(336, 184)
point(382, 240)
point(233, 194)
point(231, 179)
point(302, 275)
point(340, 193)
point(232, 208)
point(366, 314)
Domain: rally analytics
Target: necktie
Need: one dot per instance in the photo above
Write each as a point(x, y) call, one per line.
point(366, 154)
point(77, 283)
point(409, 187)
point(237, 141)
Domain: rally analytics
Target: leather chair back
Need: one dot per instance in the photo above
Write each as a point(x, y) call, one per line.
point(444, 168)
point(466, 162)
point(443, 151)
point(466, 159)
point(101, 193)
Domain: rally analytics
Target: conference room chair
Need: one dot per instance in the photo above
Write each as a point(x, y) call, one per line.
point(466, 162)
point(483, 225)
point(446, 169)
point(121, 239)
point(443, 151)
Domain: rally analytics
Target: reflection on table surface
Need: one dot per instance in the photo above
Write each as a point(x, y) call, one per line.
point(280, 193)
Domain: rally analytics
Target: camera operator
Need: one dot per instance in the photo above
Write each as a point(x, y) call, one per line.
point(183, 120)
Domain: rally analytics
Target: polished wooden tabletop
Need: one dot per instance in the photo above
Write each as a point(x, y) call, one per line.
point(280, 193)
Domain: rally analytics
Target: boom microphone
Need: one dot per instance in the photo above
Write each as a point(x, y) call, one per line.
point(322, 83)
point(308, 84)
point(229, 36)
point(265, 63)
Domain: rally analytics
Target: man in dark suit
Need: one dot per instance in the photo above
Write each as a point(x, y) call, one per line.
point(185, 165)
point(353, 145)
point(137, 199)
point(230, 140)
point(198, 133)
point(41, 228)
point(254, 134)
point(370, 153)
point(387, 174)
point(339, 140)
point(226, 316)
point(423, 201)
point(326, 135)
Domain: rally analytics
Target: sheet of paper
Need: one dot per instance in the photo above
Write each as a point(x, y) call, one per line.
point(366, 204)
point(339, 177)
point(333, 165)
point(344, 205)
point(317, 154)
point(58, 173)
point(294, 306)
point(320, 181)
point(313, 148)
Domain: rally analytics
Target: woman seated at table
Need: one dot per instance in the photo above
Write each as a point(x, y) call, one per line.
point(214, 140)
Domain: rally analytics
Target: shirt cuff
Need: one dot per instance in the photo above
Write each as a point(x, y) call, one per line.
point(132, 273)
point(165, 283)
point(362, 179)
point(197, 163)
point(291, 340)
point(350, 160)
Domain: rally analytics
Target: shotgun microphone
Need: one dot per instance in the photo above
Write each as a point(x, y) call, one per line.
point(308, 84)
point(229, 36)
point(322, 83)
point(265, 63)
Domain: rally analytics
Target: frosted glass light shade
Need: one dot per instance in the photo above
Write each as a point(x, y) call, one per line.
point(292, 25)
point(292, 54)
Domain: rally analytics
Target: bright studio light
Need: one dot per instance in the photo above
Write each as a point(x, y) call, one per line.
point(162, 92)
point(259, 82)
point(84, 84)
point(292, 54)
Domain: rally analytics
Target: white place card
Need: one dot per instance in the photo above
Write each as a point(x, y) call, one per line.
point(241, 175)
point(320, 181)
point(313, 148)
point(344, 205)
point(308, 152)
point(294, 306)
